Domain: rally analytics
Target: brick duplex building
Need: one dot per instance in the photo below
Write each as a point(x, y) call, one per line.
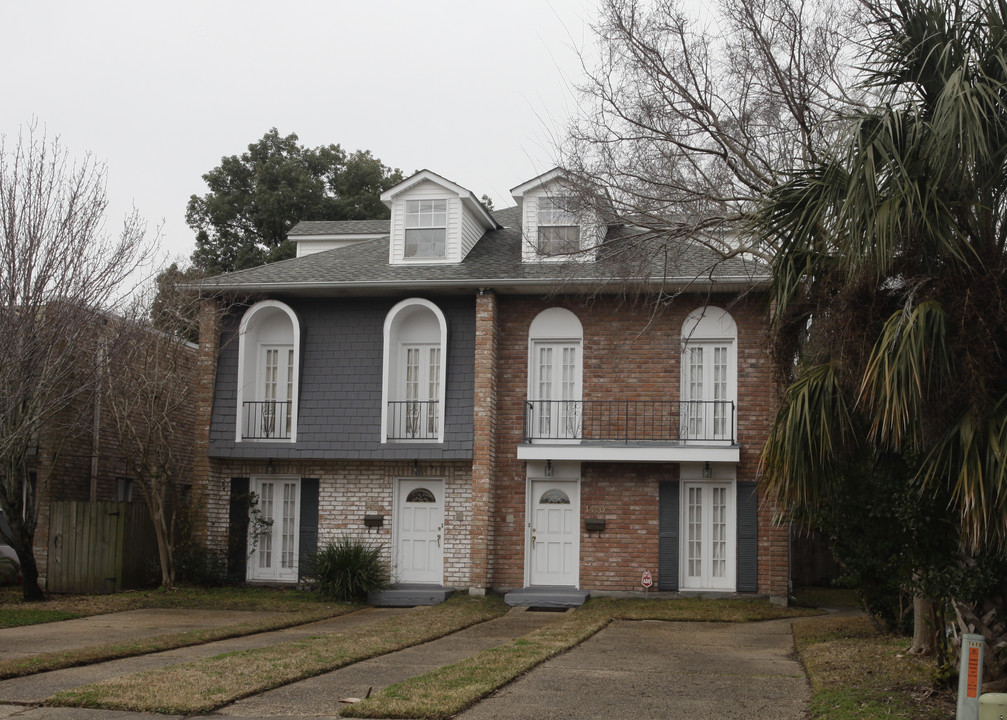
point(480, 393)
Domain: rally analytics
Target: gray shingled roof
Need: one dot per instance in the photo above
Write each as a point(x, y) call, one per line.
point(339, 227)
point(495, 262)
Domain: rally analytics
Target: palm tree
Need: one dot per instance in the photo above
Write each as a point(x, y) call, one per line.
point(890, 319)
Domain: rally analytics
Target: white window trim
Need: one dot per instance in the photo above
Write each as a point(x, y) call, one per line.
point(708, 327)
point(406, 227)
point(255, 482)
point(390, 376)
point(248, 385)
point(723, 474)
point(561, 219)
point(555, 326)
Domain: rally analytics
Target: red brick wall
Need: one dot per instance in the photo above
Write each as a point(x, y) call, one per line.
point(631, 352)
point(484, 438)
point(626, 496)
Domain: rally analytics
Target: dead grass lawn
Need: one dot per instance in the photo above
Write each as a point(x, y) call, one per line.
point(856, 672)
point(203, 685)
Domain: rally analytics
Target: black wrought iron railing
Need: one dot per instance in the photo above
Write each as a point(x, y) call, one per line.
point(266, 420)
point(629, 420)
point(413, 419)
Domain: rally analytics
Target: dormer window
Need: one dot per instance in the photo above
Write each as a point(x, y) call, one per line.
point(558, 231)
point(426, 228)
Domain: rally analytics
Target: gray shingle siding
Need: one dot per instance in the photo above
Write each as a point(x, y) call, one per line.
point(339, 403)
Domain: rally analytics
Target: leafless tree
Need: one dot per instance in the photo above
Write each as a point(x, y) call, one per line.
point(60, 273)
point(149, 396)
point(686, 122)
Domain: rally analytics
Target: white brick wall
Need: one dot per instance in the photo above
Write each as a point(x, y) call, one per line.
point(347, 491)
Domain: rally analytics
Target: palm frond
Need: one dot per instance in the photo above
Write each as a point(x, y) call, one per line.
point(810, 435)
point(909, 362)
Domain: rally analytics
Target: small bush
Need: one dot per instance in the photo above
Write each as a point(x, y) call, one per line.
point(348, 569)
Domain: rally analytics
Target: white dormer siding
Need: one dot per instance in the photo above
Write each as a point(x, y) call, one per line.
point(310, 245)
point(465, 220)
point(551, 188)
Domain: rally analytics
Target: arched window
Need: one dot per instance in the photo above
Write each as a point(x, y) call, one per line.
point(269, 346)
point(415, 359)
point(709, 375)
point(555, 369)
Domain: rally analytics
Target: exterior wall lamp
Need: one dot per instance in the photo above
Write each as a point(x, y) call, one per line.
point(548, 468)
point(707, 470)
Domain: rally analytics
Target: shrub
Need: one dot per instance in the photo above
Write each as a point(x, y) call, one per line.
point(348, 569)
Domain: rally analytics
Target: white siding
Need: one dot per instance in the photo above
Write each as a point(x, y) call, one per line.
point(472, 230)
point(425, 190)
point(310, 247)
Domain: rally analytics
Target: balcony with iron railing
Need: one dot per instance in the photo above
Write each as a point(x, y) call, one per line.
point(644, 422)
point(266, 420)
point(413, 420)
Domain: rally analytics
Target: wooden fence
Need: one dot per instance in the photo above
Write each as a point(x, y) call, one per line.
point(100, 547)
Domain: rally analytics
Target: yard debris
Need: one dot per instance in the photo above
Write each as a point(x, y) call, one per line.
point(350, 701)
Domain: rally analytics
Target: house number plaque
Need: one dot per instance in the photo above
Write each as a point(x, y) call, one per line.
point(595, 509)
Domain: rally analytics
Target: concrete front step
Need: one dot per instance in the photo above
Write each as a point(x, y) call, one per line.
point(410, 594)
point(547, 597)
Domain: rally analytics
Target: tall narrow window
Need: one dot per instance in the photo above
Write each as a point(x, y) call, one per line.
point(709, 376)
point(267, 373)
point(414, 372)
point(555, 407)
point(421, 375)
point(558, 230)
point(426, 228)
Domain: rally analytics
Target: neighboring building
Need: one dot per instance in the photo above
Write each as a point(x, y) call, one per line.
point(479, 392)
point(78, 456)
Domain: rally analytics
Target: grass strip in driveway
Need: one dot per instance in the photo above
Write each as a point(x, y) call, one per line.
point(858, 673)
point(446, 691)
point(205, 685)
point(19, 617)
point(44, 662)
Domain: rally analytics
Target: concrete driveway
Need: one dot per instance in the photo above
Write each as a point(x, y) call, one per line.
point(665, 671)
point(629, 670)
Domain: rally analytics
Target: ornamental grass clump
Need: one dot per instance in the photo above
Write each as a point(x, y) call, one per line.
point(349, 569)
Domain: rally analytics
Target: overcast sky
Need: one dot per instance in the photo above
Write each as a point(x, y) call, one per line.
point(475, 91)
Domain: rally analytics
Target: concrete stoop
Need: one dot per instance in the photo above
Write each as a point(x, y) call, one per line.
point(547, 597)
point(409, 595)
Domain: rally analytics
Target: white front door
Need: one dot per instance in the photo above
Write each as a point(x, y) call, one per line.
point(273, 529)
point(708, 530)
point(419, 532)
point(554, 538)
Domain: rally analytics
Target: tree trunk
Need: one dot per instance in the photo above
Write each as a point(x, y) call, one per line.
point(23, 543)
point(924, 632)
point(155, 504)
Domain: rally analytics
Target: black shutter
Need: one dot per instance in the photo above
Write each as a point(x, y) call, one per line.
point(748, 538)
point(667, 553)
point(237, 530)
point(308, 540)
